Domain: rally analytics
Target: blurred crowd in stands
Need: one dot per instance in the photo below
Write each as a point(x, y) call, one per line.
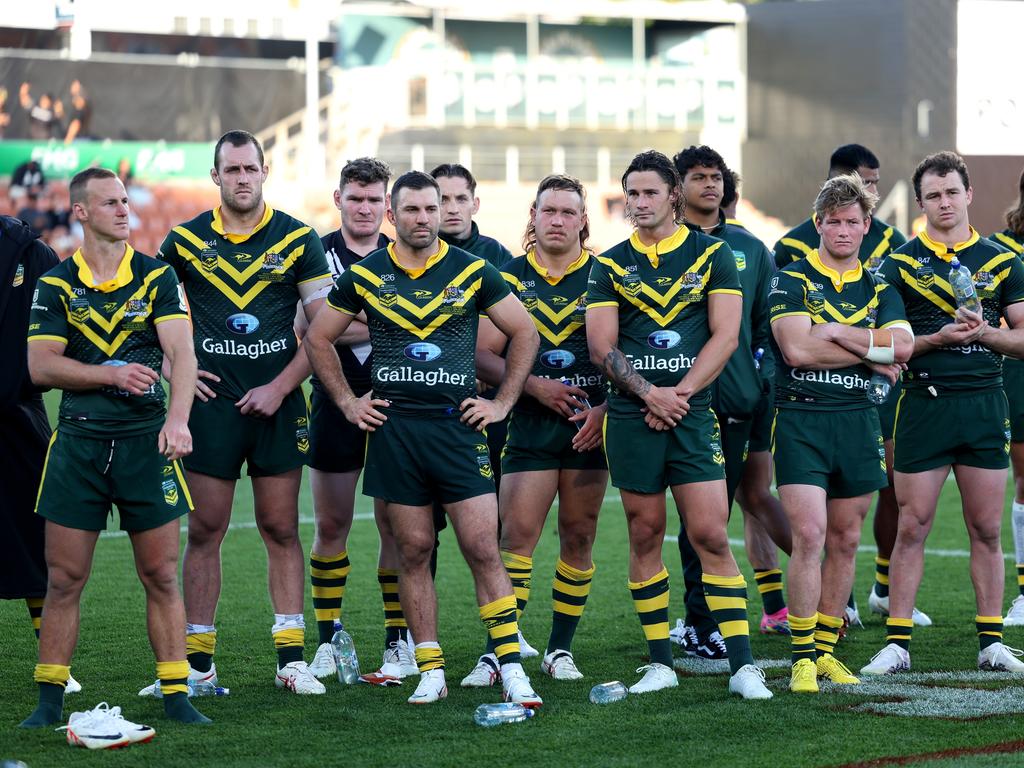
point(153, 209)
point(45, 116)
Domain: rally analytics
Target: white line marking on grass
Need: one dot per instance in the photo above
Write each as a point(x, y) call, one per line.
point(244, 525)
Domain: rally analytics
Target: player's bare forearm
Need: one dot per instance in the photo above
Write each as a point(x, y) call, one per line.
point(620, 372)
point(490, 367)
point(293, 374)
point(356, 333)
point(1005, 341)
point(325, 363)
point(182, 359)
point(522, 350)
point(49, 368)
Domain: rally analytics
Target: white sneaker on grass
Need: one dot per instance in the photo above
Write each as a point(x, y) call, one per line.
point(323, 664)
point(72, 686)
point(748, 682)
point(432, 688)
point(656, 676)
point(517, 688)
point(561, 666)
point(888, 661)
point(296, 677)
point(526, 650)
point(485, 674)
point(399, 662)
point(880, 605)
point(104, 727)
point(1015, 616)
point(1000, 658)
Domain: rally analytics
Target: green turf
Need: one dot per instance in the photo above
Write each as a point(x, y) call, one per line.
point(696, 724)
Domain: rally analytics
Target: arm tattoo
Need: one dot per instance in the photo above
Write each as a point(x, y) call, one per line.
point(621, 373)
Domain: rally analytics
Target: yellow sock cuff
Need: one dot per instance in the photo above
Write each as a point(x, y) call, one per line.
point(908, 623)
point(562, 568)
point(834, 622)
point(201, 642)
point(515, 562)
point(724, 581)
point(34, 602)
point(988, 619)
point(289, 638)
point(497, 607)
point(799, 623)
point(387, 572)
point(659, 576)
point(54, 674)
point(881, 561)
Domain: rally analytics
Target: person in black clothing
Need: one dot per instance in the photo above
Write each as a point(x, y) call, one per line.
point(24, 428)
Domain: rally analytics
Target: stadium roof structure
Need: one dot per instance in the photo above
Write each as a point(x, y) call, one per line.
point(706, 11)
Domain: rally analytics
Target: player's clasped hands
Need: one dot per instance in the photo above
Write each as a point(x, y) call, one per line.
point(261, 402)
point(664, 408)
point(362, 411)
point(134, 378)
point(590, 423)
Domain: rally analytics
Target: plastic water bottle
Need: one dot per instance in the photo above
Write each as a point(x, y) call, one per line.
point(196, 688)
point(345, 657)
point(878, 389)
point(489, 715)
point(758, 356)
point(962, 283)
point(606, 693)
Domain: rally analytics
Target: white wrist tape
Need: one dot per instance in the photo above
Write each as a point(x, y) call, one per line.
point(884, 354)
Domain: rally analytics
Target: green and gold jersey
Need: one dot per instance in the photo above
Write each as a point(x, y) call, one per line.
point(558, 306)
point(857, 298)
point(110, 323)
point(243, 290)
point(1015, 243)
point(919, 271)
point(881, 240)
point(423, 323)
point(661, 292)
point(739, 387)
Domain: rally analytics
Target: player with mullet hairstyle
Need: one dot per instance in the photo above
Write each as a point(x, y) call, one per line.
point(663, 316)
point(422, 299)
point(952, 413)
point(337, 447)
point(100, 326)
point(737, 395)
point(246, 267)
point(833, 325)
point(1013, 387)
point(554, 431)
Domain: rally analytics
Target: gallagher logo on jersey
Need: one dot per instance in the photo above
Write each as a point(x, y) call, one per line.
point(422, 352)
point(663, 339)
point(242, 324)
point(557, 358)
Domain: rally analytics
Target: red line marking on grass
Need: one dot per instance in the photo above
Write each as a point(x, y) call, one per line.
point(1006, 747)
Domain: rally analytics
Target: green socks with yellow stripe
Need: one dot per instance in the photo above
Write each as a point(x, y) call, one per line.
point(727, 601)
point(173, 677)
point(569, 594)
point(328, 575)
point(650, 598)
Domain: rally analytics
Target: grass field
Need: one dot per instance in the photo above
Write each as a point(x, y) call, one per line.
point(695, 724)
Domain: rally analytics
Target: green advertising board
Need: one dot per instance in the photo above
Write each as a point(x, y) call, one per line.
point(150, 160)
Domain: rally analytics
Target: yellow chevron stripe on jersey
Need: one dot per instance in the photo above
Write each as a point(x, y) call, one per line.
point(431, 306)
point(798, 245)
point(404, 323)
point(939, 301)
point(832, 310)
point(936, 280)
point(883, 247)
point(556, 337)
point(553, 315)
point(109, 325)
point(1009, 242)
point(995, 261)
point(227, 267)
point(239, 300)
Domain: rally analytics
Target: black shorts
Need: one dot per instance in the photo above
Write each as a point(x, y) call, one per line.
point(335, 443)
point(24, 434)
